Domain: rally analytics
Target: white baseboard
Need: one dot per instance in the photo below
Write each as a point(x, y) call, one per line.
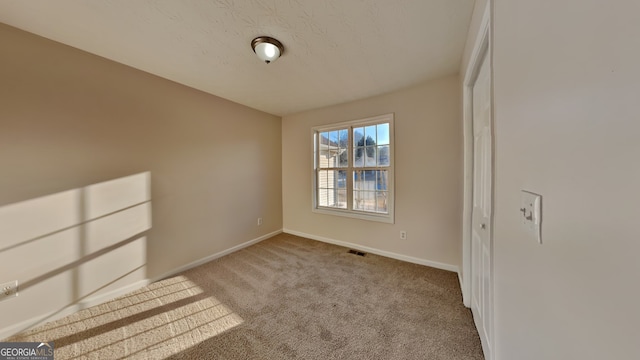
point(215, 256)
point(411, 259)
point(102, 298)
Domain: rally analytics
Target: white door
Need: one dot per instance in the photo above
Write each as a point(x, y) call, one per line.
point(481, 252)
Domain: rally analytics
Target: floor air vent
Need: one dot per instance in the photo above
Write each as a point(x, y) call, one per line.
point(356, 252)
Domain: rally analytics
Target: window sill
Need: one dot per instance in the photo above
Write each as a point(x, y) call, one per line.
point(383, 218)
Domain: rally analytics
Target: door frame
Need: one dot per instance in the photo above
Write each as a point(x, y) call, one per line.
point(482, 46)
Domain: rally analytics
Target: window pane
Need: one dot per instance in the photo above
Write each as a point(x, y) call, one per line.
point(327, 179)
point(322, 179)
point(357, 179)
point(334, 143)
point(343, 158)
point(358, 135)
point(333, 139)
point(322, 197)
point(344, 138)
point(323, 148)
point(370, 160)
point(332, 188)
point(369, 179)
point(371, 134)
point(364, 143)
point(381, 202)
point(383, 155)
point(341, 199)
point(336, 158)
point(342, 180)
point(382, 179)
point(358, 147)
point(369, 201)
point(370, 190)
point(358, 200)
point(343, 143)
point(333, 149)
point(324, 138)
point(383, 134)
point(358, 156)
point(364, 156)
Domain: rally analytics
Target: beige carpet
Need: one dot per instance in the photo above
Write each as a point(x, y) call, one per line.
point(284, 298)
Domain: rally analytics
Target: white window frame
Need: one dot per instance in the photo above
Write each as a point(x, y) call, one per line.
point(349, 211)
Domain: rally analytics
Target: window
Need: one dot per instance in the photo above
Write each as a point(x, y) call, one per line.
point(353, 169)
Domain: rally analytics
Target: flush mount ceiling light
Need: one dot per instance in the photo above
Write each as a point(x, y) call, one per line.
point(267, 48)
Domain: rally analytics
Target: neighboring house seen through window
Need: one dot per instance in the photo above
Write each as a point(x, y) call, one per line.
point(353, 166)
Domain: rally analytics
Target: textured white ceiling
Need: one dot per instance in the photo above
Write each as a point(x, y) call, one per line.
point(335, 50)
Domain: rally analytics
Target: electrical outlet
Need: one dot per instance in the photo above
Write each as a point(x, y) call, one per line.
point(403, 235)
point(259, 221)
point(9, 289)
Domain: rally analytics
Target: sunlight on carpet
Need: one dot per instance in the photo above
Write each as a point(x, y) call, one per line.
point(162, 320)
point(283, 298)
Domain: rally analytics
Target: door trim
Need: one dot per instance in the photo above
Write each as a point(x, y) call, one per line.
point(481, 47)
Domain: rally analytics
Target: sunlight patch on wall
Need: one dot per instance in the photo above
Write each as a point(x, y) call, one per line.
point(67, 247)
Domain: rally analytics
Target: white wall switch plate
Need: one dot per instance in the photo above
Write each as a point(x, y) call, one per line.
point(531, 214)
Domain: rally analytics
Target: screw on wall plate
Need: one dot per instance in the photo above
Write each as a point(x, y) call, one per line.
point(9, 289)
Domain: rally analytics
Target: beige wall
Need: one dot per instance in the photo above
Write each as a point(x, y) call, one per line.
point(566, 81)
point(93, 153)
point(428, 170)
